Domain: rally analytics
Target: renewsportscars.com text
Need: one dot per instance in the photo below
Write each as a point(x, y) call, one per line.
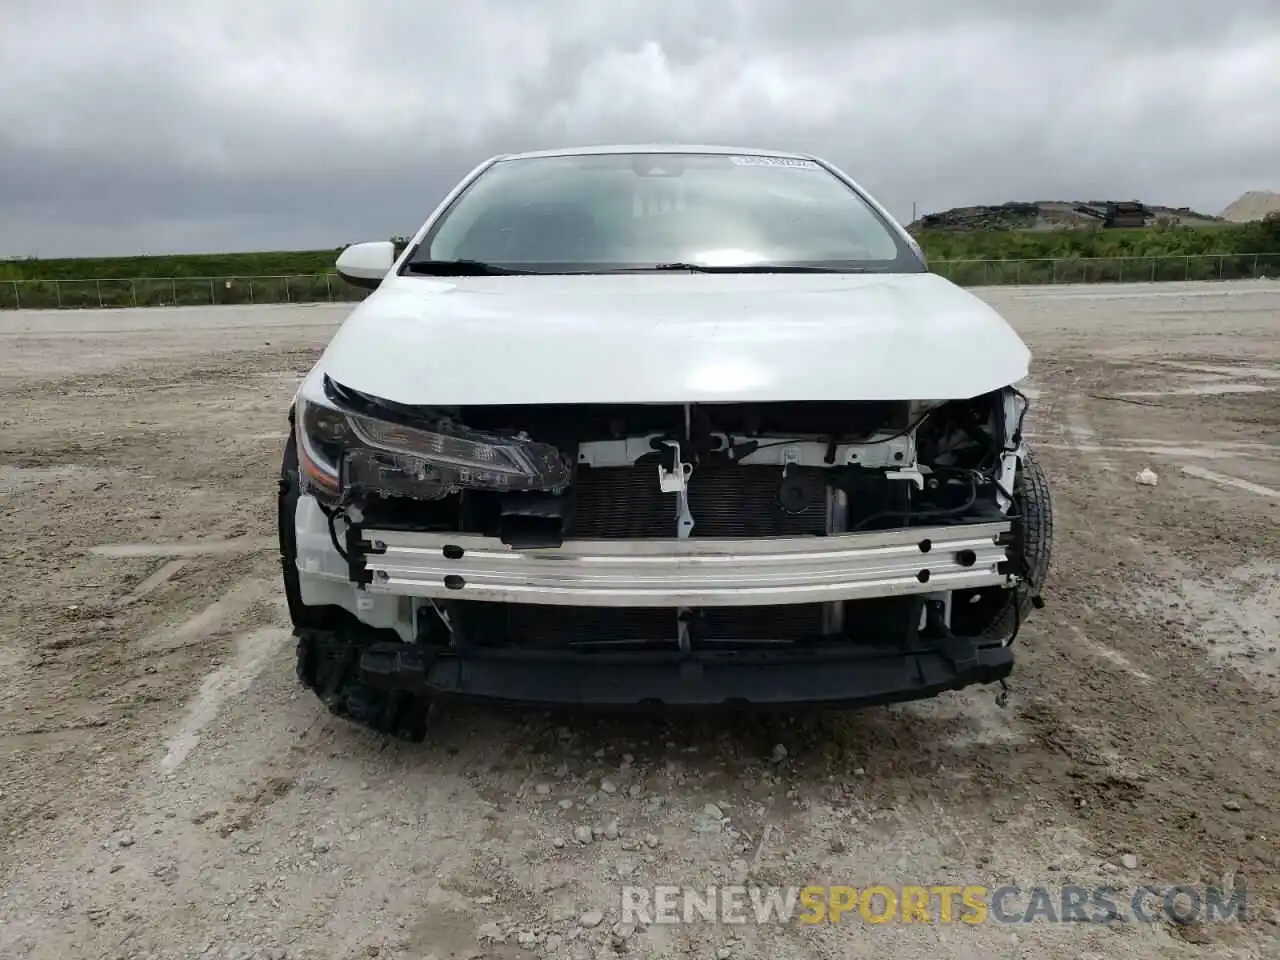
point(969, 904)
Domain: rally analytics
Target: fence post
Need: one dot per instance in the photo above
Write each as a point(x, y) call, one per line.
point(288, 297)
point(174, 284)
point(1154, 261)
point(1255, 268)
point(213, 297)
point(99, 283)
point(251, 289)
point(1221, 267)
point(328, 289)
point(57, 289)
point(1187, 273)
point(1053, 271)
point(17, 300)
point(1120, 271)
point(1017, 272)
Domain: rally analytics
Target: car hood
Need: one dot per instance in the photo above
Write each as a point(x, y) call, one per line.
point(673, 338)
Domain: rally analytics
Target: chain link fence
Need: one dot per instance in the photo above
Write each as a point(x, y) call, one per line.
point(1242, 266)
point(330, 288)
point(175, 291)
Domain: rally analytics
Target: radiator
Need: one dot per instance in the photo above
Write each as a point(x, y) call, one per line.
point(625, 503)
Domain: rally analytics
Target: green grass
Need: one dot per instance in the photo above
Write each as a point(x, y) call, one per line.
point(1091, 255)
point(1230, 240)
point(303, 276)
point(260, 264)
point(1096, 255)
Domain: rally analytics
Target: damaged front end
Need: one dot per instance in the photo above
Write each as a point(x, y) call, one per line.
point(781, 552)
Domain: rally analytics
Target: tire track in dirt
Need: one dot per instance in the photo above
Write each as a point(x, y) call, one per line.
point(1157, 772)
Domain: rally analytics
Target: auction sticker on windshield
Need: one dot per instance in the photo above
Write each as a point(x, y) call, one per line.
point(792, 162)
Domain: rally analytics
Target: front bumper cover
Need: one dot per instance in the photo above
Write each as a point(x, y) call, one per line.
point(683, 572)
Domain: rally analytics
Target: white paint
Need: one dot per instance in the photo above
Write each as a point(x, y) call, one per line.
point(212, 618)
point(281, 376)
point(1147, 291)
point(193, 549)
point(1115, 657)
point(1197, 453)
point(1226, 481)
point(15, 480)
point(1226, 445)
point(1081, 434)
point(1200, 390)
point(252, 652)
point(1260, 373)
point(672, 338)
point(668, 338)
point(161, 576)
point(367, 261)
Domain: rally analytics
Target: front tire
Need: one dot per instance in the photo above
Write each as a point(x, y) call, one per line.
point(994, 615)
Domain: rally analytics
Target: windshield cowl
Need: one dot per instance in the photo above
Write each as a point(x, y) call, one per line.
point(476, 268)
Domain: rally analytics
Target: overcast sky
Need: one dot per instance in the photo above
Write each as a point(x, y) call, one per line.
point(208, 125)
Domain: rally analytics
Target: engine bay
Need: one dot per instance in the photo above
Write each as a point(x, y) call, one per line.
point(539, 479)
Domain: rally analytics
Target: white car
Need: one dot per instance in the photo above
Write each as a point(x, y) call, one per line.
point(690, 426)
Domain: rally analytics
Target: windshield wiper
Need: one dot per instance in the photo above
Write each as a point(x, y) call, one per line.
point(750, 268)
point(479, 268)
point(461, 268)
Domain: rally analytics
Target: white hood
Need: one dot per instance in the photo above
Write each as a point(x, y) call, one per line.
point(673, 338)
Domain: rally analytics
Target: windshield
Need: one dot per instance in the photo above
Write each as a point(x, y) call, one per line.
point(596, 213)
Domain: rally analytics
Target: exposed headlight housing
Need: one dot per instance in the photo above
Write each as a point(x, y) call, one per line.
point(343, 453)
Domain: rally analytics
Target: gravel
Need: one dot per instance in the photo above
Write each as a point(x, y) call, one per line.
point(260, 822)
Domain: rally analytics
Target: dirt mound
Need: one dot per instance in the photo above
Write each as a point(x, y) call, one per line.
point(1059, 215)
point(1254, 205)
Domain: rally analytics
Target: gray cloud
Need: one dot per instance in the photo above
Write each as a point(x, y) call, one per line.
point(225, 124)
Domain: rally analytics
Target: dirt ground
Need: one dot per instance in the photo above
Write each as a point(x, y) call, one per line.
point(169, 791)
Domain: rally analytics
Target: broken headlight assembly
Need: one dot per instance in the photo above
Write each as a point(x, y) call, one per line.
point(343, 454)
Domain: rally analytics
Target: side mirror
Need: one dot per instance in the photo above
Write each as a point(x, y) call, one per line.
point(365, 264)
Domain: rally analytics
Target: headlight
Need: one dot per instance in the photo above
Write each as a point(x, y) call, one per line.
point(341, 451)
point(322, 434)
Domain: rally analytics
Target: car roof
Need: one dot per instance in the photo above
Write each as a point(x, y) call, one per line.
point(655, 148)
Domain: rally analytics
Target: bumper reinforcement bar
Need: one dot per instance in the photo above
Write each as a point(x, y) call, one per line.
point(685, 573)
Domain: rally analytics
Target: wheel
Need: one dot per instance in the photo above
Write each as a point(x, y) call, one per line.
point(330, 641)
point(992, 615)
point(328, 664)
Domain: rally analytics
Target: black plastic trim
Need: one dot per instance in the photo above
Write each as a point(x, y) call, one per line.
point(838, 676)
